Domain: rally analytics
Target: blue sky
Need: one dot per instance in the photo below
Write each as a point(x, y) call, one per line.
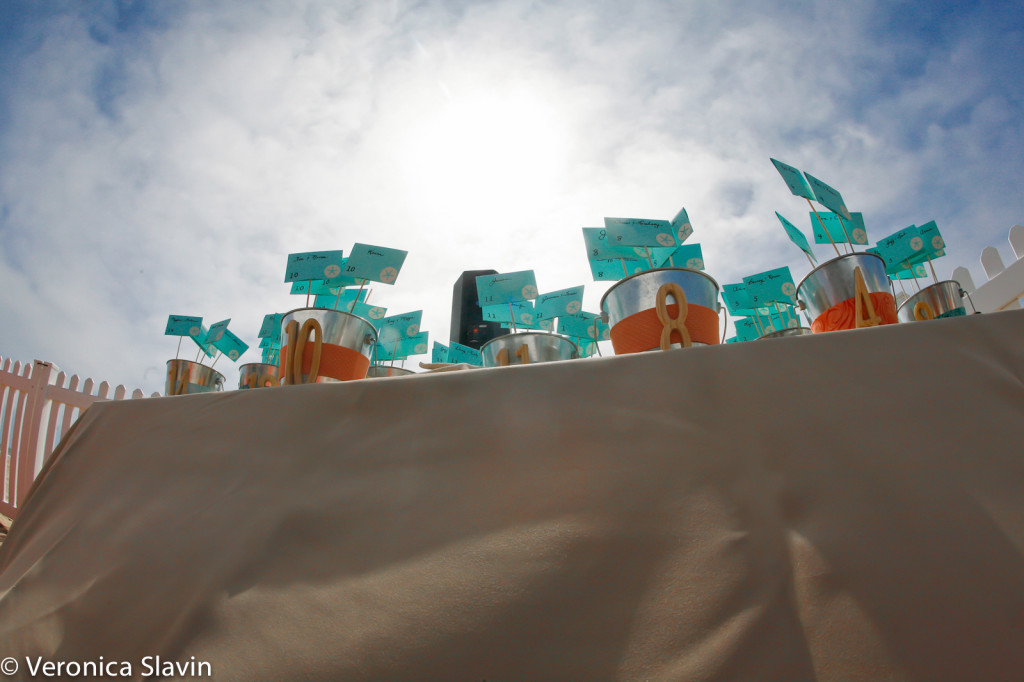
point(160, 158)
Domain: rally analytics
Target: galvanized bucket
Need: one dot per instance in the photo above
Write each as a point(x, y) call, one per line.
point(792, 331)
point(258, 375)
point(828, 293)
point(377, 371)
point(524, 348)
point(185, 377)
point(345, 344)
point(629, 307)
point(944, 299)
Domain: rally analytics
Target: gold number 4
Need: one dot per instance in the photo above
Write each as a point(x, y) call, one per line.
point(864, 307)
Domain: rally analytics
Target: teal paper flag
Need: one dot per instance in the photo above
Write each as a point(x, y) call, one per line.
point(686, 256)
point(313, 265)
point(458, 353)
point(855, 226)
point(521, 312)
point(794, 180)
point(913, 272)
point(614, 270)
point(534, 323)
point(267, 342)
point(216, 331)
point(737, 301)
point(581, 326)
point(375, 263)
point(900, 249)
point(406, 325)
point(271, 326)
point(771, 286)
point(599, 248)
point(230, 345)
point(681, 225)
point(182, 325)
point(796, 236)
point(559, 303)
point(640, 232)
point(827, 196)
point(838, 229)
point(271, 356)
point(403, 347)
point(933, 246)
point(300, 287)
point(373, 313)
point(746, 329)
point(201, 341)
point(439, 353)
point(506, 288)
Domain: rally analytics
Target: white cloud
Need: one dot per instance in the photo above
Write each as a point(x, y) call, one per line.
point(171, 168)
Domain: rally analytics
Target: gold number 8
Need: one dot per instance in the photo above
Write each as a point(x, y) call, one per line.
point(670, 324)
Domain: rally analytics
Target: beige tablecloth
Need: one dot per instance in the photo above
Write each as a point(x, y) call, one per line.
point(845, 506)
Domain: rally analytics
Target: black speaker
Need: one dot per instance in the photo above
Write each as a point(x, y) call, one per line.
point(468, 325)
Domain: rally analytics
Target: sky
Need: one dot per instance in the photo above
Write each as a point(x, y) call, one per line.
point(164, 158)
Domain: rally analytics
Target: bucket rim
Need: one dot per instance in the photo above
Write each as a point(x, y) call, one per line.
point(833, 260)
point(532, 332)
point(645, 272)
point(931, 286)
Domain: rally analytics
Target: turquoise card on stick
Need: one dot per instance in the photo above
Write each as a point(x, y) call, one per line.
point(375, 263)
point(933, 246)
point(216, 331)
point(838, 229)
point(613, 270)
point(520, 312)
point(681, 225)
point(828, 197)
point(230, 345)
point(640, 232)
point(599, 248)
point(201, 341)
point(406, 325)
point(183, 325)
point(506, 287)
point(404, 347)
point(271, 326)
point(737, 300)
point(365, 311)
point(439, 353)
point(685, 256)
point(796, 236)
point(559, 303)
point(582, 326)
point(794, 180)
point(901, 249)
point(770, 286)
point(747, 329)
point(313, 265)
point(458, 353)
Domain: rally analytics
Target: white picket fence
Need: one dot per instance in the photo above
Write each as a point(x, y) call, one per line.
point(1005, 285)
point(36, 410)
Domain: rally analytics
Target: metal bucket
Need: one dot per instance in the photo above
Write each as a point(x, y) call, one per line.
point(792, 331)
point(258, 375)
point(524, 348)
point(376, 371)
point(828, 293)
point(630, 308)
point(346, 345)
point(937, 301)
point(185, 377)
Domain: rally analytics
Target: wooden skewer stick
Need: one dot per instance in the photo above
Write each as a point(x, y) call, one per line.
point(912, 275)
point(216, 359)
point(809, 259)
point(512, 317)
point(309, 288)
point(597, 345)
point(179, 349)
point(625, 272)
point(824, 229)
point(934, 276)
point(649, 258)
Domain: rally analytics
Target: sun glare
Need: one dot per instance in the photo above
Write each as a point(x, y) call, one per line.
point(479, 153)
